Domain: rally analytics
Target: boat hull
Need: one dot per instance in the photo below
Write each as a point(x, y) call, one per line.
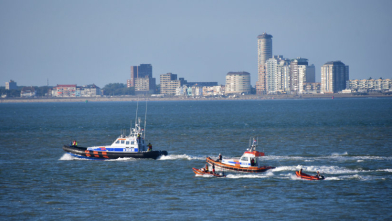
point(308, 177)
point(224, 167)
point(200, 172)
point(82, 152)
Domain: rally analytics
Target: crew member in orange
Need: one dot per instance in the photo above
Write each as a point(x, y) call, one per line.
point(149, 147)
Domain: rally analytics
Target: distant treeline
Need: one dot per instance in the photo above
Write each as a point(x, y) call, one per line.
point(40, 91)
point(118, 89)
point(43, 91)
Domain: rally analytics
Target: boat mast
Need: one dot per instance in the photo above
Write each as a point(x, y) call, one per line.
point(137, 107)
point(145, 119)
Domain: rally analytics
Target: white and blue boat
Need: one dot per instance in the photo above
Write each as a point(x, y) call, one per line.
point(134, 145)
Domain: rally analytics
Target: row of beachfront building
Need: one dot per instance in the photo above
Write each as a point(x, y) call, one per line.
point(64, 90)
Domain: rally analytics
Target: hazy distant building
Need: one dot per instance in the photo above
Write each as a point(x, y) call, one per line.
point(213, 90)
point(368, 85)
point(64, 90)
point(237, 83)
point(141, 71)
point(88, 91)
point(277, 75)
point(28, 92)
point(169, 83)
point(141, 79)
point(145, 85)
point(72, 90)
point(300, 73)
point(11, 85)
point(264, 52)
point(202, 84)
point(310, 88)
point(334, 76)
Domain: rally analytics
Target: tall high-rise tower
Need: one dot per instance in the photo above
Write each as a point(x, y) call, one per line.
point(264, 46)
point(334, 77)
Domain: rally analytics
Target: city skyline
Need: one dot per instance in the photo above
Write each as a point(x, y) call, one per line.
point(97, 42)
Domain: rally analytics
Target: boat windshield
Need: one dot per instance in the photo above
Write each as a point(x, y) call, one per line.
point(244, 159)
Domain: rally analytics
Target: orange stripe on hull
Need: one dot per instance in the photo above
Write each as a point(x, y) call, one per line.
point(105, 155)
point(96, 154)
point(87, 153)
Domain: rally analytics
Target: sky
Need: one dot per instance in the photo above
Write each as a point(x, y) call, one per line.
point(95, 42)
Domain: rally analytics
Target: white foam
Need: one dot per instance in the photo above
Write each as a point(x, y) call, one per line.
point(323, 169)
point(336, 156)
point(340, 154)
point(385, 170)
point(285, 168)
point(67, 156)
point(123, 159)
point(179, 157)
point(252, 176)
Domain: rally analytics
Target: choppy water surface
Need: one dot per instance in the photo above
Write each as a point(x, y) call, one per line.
point(348, 140)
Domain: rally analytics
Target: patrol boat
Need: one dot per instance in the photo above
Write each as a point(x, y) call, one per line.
point(133, 145)
point(249, 162)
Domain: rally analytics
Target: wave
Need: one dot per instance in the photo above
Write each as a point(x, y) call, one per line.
point(70, 157)
point(340, 154)
point(180, 157)
point(244, 175)
point(340, 157)
point(326, 169)
point(67, 156)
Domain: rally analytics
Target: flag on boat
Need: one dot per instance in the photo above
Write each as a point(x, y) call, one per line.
point(254, 141)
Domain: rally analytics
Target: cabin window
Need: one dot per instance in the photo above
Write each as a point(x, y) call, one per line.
point(244, 159)
point(122, 142)
point(127, 143)
point(132, 142)
point(117, 142)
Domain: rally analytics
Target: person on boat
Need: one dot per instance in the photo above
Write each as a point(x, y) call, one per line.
point(213, 168)
point(149, 147)
point(206, 168)
point(252, 162)
point(300, 171)
point(74, 143)
point(138, 138)
point(318, 175)
point(220, 158)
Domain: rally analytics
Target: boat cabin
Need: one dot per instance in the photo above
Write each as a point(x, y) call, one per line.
point(249, 158)
point(134, 142)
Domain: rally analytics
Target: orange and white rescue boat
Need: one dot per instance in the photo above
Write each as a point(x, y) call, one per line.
point(249, 162)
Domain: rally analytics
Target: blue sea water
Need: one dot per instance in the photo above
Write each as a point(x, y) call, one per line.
point(348, 140)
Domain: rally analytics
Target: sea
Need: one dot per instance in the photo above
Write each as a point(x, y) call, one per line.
point(348, 140)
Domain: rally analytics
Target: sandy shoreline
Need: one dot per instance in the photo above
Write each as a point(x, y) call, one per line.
point(135, 98)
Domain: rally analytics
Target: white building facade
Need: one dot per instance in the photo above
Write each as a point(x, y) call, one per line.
point(237, 83)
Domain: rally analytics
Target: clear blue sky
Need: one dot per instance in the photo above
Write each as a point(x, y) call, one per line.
point(84, 42)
